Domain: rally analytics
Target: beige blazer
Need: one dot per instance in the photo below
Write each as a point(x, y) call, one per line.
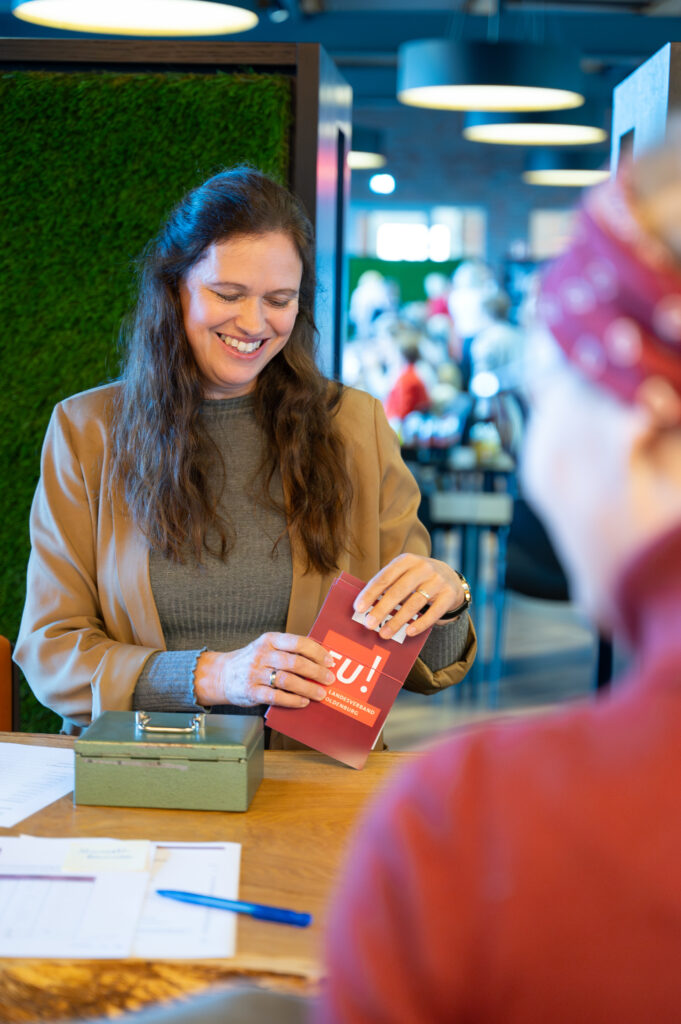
point(90, 621)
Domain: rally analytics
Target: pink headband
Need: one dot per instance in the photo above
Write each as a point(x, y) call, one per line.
point(613, 299)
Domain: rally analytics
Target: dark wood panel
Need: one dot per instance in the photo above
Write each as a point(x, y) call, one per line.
point(323, 125)
point(144, 51)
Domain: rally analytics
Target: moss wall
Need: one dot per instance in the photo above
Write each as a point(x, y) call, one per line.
point(89, 165)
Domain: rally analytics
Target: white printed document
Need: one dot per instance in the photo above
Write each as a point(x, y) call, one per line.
point(96, 898)
point(170, 930)
point(31, 778)
point(73, 916)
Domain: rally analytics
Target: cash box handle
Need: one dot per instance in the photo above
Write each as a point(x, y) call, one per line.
point(143, 718)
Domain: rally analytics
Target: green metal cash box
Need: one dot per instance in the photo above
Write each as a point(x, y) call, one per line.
point(144, 759)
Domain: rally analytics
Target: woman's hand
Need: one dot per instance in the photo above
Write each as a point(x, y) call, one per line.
point(277, 668)
point(420, 586)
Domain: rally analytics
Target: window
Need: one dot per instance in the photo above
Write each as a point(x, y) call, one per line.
point(398, 241)
point(439, 233)
point(549, 231)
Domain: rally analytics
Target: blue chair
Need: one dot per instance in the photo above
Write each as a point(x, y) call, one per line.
point(477, 517)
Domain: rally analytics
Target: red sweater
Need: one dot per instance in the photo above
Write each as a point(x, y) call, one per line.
point(408, 394)
point(530, 871)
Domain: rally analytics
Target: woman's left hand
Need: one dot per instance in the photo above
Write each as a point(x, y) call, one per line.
point(420, 586)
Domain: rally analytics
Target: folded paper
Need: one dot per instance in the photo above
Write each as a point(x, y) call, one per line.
point(369, 672)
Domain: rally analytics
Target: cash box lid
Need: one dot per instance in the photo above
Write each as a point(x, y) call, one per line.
point(190, 736)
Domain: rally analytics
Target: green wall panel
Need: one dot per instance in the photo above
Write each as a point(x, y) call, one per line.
point(408, 274)
point(90, 163)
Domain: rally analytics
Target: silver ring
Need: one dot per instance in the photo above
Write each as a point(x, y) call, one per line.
point(427, 596)
point(273, 676)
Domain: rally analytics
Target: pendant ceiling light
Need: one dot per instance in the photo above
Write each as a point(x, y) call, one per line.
point(572, 169)
point(449, 75)
point(138, 17)
point(558, 128)
point(367, 149)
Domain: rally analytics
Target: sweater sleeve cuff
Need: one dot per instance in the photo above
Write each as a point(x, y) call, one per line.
point(446, 643)
point(166, 682)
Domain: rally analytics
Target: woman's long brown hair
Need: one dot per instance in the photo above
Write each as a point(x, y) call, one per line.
point(162, 453)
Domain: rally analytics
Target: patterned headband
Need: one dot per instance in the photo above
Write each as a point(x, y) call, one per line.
point(613, 299)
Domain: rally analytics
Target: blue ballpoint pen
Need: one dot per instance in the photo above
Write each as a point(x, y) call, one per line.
point(240, 907)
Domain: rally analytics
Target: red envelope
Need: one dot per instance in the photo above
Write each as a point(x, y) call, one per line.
point(369, 673)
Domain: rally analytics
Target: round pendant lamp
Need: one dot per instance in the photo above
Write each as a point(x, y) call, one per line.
point(138, 17)
point(568, 168)
point(367, 149)
point(449, 75)
point(556, 128)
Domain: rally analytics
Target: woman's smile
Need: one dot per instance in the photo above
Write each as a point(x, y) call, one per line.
point(241, 346)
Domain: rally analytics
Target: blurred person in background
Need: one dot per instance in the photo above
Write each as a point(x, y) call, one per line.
point(527, 871)
point(371, 297)
point(437, 348)
point(373, 363)
point(437, 287)
point(409, 392)
point(498, 343)
point(472, 282)
point(496, 353)
point(446, 394)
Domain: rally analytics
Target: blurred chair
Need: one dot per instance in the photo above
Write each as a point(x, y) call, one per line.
point(9, 689)
point(479, 517)
point(533, 569)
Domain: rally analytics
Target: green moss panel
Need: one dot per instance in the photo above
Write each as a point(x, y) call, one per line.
point(90, 163)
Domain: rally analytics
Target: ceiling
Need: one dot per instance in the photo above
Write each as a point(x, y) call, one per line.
point(426, 153)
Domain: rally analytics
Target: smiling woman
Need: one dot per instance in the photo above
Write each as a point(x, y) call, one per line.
point(191, 517)
point(240, 304)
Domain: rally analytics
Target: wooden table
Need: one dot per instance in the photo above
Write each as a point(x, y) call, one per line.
point(292, 838)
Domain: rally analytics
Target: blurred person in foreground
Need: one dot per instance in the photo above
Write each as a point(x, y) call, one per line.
point(528, 871)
